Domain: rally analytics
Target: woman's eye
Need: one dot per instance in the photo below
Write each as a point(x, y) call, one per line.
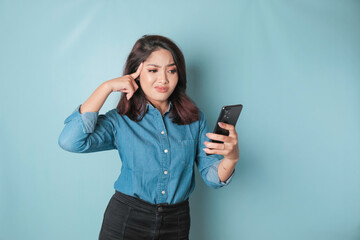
point(152, 70)
point(173, 71)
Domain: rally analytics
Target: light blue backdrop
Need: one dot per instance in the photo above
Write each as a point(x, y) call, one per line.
point(294, 65)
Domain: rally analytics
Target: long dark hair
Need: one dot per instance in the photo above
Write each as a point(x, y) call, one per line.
point(183, 110)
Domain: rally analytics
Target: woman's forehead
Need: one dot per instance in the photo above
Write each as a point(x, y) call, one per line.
point(160, 57)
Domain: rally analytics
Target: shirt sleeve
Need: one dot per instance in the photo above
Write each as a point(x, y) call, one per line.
point(87, 132)
point(208, 164)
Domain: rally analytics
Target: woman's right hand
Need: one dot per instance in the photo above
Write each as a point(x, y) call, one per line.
point(126, 83)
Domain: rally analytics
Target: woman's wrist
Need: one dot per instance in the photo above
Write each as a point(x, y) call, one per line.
point(97, 99)
point(107, 86)
point(226, 168)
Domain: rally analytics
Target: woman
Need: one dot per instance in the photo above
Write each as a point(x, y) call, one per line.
point(159, 134)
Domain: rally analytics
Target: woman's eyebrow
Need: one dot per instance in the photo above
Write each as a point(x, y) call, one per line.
point(150, 64)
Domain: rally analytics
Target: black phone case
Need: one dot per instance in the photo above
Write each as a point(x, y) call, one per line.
point(228, 114)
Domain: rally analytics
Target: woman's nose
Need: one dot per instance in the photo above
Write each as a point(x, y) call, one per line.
point(163, 77)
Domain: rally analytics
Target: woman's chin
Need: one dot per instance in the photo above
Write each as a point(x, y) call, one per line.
point(158, 98)
point(161, 96)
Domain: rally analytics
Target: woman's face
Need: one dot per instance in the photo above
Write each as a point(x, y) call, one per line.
point(159, 76)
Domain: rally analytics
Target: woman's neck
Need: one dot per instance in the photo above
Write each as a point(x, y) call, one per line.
point(161, 106)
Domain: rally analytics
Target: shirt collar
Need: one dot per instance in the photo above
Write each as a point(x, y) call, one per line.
point(149, 106)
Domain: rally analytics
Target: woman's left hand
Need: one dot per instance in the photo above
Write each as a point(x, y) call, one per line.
point(229, 149)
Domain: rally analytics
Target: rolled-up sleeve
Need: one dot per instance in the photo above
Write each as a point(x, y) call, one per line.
point(213, 177)
point(87, 132)
point(208, 164)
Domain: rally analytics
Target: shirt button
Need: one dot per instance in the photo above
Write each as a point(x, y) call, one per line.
point(165, 150)
point(162, 192)
point(165, 172)
point(162, 132)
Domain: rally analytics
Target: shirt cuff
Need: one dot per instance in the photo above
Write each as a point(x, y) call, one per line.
point(88, 119)
point(213, 176)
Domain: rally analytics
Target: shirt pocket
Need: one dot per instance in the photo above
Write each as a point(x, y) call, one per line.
point(187, 151)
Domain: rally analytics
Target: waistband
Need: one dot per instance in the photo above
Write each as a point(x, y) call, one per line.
point(160, 207)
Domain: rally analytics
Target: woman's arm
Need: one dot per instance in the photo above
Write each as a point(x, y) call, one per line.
point(229, 149)
point(88, 132)
point(125, 84)
point(213, 174)
point(84, 130)
point(97, 99)
point(226, 169)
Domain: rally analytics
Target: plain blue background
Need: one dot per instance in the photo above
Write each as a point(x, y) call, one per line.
point(294, 65)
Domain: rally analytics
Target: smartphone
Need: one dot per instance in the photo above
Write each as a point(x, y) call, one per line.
point(228, 114)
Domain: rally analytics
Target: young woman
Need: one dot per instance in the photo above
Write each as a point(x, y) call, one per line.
point(160, 135)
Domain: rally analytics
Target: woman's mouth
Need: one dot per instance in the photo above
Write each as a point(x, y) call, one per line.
point(161, 89)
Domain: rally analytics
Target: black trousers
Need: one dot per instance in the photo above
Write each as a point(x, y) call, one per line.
point(127, 217)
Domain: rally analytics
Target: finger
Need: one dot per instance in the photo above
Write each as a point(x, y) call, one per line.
point(128, 96)
point(219, 137)
point(214, 151)
point(133, 83)
point(138, 71)
point(213, 145)
point(125, 91)
point(230, 128)
point(129, 91)
point(131, 86)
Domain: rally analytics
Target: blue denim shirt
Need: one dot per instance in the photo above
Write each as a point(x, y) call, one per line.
point(158, 156)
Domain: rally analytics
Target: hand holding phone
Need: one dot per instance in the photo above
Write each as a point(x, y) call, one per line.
point(228, 114)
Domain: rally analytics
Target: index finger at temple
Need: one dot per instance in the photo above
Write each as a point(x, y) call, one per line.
point(138, 71)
